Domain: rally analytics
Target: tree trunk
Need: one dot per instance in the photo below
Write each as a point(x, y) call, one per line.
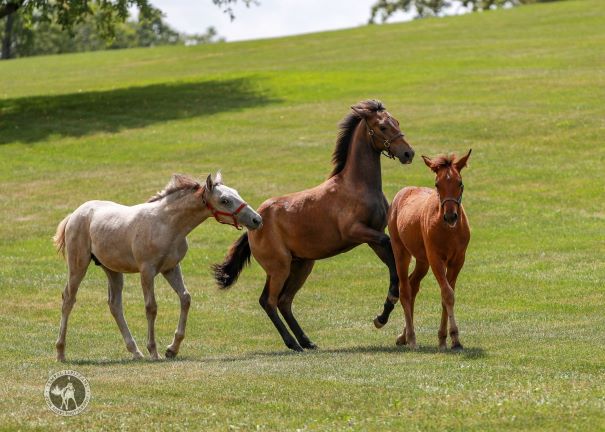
point(7, 39)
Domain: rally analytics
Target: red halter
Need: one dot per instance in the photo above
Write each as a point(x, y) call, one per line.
point(216, 213)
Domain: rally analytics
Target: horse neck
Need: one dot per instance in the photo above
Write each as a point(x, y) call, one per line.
point(181, 215)
point(363, 162)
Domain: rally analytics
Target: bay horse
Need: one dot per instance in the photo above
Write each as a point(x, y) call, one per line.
point(431, 226)
point(147, 238)
point(346, 210)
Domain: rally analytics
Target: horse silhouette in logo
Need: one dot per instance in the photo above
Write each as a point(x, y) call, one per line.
point(67, 393)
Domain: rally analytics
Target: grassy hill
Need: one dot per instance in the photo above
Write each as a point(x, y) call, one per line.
point(523, 87)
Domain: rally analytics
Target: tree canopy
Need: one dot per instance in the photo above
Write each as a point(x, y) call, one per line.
point(423, 8)
point(64, 19)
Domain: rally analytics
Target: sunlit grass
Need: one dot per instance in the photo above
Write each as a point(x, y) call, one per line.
point(523, 87)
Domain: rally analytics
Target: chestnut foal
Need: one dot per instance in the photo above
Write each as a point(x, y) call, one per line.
point(431, 226)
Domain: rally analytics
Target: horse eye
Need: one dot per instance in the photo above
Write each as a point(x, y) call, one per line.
point(225, 201)
point(435, 184)
point(383, 128)
point(461, 185)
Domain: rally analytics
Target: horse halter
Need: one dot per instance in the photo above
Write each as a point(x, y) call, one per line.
point(387, 142)
point(456, 200)
point(216, 213)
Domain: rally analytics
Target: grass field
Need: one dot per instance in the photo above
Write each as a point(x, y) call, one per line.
point(525, 88)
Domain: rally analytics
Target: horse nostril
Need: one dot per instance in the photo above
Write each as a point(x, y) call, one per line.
point(256, 221)
point(450, 217)
point(407, 155)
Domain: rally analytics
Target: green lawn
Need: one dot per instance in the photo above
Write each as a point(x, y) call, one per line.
point(525, 88)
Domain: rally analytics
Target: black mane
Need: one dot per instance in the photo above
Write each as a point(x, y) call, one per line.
point(347, 129)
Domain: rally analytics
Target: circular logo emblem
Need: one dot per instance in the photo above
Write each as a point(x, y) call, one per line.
point(67, 393)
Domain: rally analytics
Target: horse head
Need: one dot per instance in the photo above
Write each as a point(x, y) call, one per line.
point(383, 129)
point(448, 183)
point(227, 206)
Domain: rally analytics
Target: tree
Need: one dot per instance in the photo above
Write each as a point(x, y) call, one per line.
point(68, 13)
point(43, 37)
point(424, 8)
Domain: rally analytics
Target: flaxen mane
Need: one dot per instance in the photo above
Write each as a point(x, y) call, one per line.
point(178, 182)
point(345, 135)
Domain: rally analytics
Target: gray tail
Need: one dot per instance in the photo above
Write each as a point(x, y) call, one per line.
point(226, 274)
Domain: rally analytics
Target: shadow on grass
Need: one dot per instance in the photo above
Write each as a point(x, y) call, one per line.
point(32, 119)
point(466, 353)
point(473, 352)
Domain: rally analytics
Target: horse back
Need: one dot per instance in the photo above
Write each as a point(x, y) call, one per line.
point(312, 223)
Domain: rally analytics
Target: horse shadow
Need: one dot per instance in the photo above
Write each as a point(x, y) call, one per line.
point(36, 118)
point(468, 353)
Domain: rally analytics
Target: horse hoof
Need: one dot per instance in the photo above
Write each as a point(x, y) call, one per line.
point(378, 324)
point(309, 345)
point(138, 356)
point(457, 347)
point(296, 347)
point(170, 354)
point(401, 340)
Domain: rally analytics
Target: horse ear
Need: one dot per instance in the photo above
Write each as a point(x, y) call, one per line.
point(362, 112)
point(218, 178)
point(461, 163)
point(429, 163)
point(209, 183)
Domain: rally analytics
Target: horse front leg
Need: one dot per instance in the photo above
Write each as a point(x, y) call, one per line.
point(452, 275)
point(381, 245)
point(384, 251)
point(175, 279)
point(447, 303)
point(151, 309)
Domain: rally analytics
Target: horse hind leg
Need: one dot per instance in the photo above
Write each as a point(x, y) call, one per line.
point(268, 301)
point(420, 270)
point(78, 260)
point(408, 336)
point(115, 283)
point(299, 272)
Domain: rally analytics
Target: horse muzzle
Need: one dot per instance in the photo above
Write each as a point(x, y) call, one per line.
point(253, 222)
point(451, 219)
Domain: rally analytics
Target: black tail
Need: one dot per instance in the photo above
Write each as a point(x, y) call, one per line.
point(238, 256)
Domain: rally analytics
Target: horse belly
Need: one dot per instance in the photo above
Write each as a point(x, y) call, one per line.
point(111, 244)
point(116, 259)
